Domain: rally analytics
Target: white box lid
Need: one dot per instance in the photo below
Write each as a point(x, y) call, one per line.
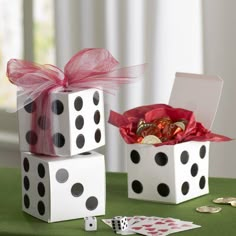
point(197, 93)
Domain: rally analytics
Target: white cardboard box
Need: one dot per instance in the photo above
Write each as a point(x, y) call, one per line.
point(77, 124)
point(176, 173)
point(63, 188)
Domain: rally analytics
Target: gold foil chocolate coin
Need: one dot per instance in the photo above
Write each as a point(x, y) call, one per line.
point(208, 209)
point(224, 200)
point(151, 139)
point(180, 124)
point(233, 203)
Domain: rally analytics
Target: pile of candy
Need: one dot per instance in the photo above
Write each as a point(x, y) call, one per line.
point(159, 130)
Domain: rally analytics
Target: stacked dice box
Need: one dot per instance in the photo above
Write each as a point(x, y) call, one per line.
point(71, 184)
point(179, 172)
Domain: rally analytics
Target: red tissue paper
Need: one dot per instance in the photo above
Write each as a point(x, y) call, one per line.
point(194, 131)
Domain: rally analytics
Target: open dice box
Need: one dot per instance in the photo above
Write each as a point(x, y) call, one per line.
point(177, 173)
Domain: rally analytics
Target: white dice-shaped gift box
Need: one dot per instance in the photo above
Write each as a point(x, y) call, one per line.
point(176, 173)
point(75, 120)
point(63, 188)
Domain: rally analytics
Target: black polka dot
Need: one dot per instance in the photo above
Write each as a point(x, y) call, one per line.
point(185, 188)
point(137, 186)
point(85, 153)
point(194, 169)
point(31, 138)
point(135, 157)
point(163, 189)
point(62, 175)
point(79, 122)
point(96, 98)
point(202, 151)
point(26, 183)
point(31, 106)
point(80, 141)
point(41, 208)
point(184, 157)
point(41, 170)
point(26, 164)
point(58, 140)
point(161, 158)
point(91, 203)
point(97, 135)
point(57, 107)
point(78, 104)
point(43, 122)
point(26, 201)
point(202, 182)
point(96, 117)
point(77, 189)
point(41, 189)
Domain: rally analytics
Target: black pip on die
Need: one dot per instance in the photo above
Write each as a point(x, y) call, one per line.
point(76, 123)
point(63, 188)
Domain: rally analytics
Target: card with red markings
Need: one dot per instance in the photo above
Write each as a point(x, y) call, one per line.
point(162, 226)
point(153, 225)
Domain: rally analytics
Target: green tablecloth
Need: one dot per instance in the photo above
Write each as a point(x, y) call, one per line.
point(14, 222)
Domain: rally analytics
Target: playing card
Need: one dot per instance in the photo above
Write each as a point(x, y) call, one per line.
point(162, 226)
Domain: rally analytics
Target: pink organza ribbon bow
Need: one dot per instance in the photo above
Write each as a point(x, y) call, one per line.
point(89, 68)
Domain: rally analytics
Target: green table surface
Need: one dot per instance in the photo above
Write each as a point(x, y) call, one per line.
point(15, 222)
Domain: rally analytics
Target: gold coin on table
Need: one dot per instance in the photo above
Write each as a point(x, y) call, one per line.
point(208, 209)
point(151, 139)
point(224, 200)
point(233, 203)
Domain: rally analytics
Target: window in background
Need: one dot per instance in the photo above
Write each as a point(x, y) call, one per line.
point(12, 44)
point(11, 41)
point(44, 40)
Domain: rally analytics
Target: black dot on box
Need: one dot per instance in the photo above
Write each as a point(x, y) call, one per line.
point(30, 106)
point(43, 122)
point(58, 140)
point(26, 201)
point(137, 186)
point(31, 137)
point(79, 122)
point(57, 107)
point(41, 208)
point(135, 157)
point(85, 153)
point(202, 151)
point(185, 188)
point(194, 169)
point(184, 157)
point(41, 170)
point(163, 189)
point(77, 189)
point(96, 117)
point(41, 189)
point(26, 164)
point(91, 203)
point(80, 141)
point(202, 182)
point(78, 103)
point(62, 175)
point(26, 183)
point(96, 98)
point(161, 158)
point(97, 135)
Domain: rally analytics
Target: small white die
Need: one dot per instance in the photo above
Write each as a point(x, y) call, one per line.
point(119, 223)
point(90, 223)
